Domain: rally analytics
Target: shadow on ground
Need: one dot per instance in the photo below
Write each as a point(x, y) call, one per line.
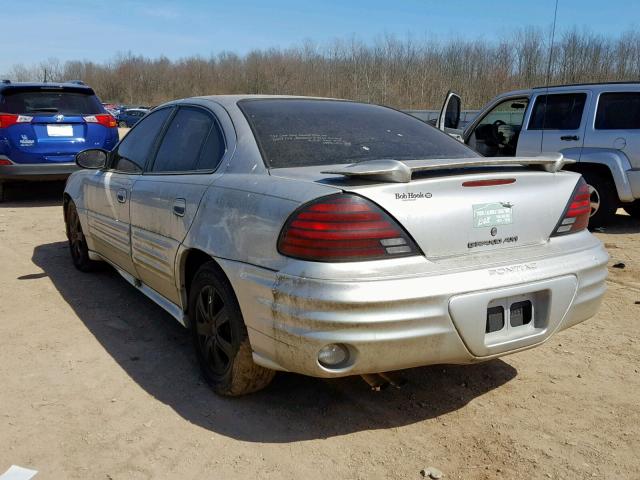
point(621, 223)
point(155, 351)
point(32, 194)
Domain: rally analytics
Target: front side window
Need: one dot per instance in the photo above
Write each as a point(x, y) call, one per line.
point(618, 111)
point(192, 142)
point(558, 112)
point(134, 150)
point(303, 133)
point(496, 135)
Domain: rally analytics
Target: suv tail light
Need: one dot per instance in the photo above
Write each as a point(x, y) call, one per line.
point(6, 120)
point(576, 214)
point(343, 228)
point(104, 119)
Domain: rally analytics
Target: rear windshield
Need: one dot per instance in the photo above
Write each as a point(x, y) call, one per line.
point(61, 102)
point(300, 133)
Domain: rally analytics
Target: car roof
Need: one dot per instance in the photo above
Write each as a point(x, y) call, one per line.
point(45, 86)
point(230, 100)
point(569, 87)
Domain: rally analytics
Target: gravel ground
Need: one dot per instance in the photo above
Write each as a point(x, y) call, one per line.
point(99, 383)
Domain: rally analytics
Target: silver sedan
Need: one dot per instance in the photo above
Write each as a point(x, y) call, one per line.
point(334, 238)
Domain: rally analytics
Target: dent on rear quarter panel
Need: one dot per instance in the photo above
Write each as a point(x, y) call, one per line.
point(241, 215)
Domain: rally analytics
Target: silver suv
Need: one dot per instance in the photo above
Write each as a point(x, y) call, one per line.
point(596, 125)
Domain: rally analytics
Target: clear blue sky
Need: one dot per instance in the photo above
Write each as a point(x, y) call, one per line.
point(35, 30)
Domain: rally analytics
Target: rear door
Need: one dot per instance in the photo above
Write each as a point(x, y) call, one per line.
point(616, 124)
point(556, 123)
point(108, 192)
point(165, 199)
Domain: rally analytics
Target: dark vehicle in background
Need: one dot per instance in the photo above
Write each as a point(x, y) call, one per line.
point(44, 125)
point(131, 116)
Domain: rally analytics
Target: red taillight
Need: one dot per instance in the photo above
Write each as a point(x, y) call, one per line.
point(343, 228)
point(6, 120)
point(105, 120)
point(576, 215)
point(4, 161)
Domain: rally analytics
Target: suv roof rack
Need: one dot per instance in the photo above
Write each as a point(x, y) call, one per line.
point(589, 83)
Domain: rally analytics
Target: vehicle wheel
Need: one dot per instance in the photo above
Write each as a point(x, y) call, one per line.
point(122, 124)
point(1, 192)
point(633, 209)
point(604, 199)
point(220, 336)
point(77, 242)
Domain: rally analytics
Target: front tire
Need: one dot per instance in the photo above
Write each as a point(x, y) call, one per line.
point(220, 336)
point(77, 241)
point(603, 198)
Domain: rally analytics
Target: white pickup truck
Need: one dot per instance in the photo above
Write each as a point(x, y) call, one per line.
point(596, 125)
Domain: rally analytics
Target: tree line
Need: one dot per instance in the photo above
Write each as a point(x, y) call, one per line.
point(405, 73)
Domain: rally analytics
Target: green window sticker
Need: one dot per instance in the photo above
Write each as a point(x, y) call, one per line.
point(492, 215)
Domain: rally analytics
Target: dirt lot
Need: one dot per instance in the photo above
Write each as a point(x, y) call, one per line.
point(99, 383)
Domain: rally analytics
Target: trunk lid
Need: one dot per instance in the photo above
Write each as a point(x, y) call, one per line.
point(447, 218)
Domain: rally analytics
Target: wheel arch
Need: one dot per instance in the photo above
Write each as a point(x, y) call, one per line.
point(612, 163)
point(188, 262)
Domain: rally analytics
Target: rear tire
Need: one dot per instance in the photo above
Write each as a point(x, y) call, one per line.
point(220, 336)
point(77, 241)
point(604, 199)
point(1, 191)
point(633, 209)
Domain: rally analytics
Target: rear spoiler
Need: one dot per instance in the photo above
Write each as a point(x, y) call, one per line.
point(389, 170)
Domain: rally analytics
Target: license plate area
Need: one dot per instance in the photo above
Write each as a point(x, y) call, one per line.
point(60, 130)
point(515, 317)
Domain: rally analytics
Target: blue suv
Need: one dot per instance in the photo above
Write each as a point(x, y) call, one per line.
point(44, 125)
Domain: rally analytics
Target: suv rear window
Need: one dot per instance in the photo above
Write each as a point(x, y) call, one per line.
point(618, 111)
point(563, 111)
point(55, 102)
point(300, 133)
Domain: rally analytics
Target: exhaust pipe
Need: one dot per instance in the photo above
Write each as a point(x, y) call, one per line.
point(375, 381)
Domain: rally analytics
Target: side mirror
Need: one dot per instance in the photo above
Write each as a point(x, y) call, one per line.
point(93, 158)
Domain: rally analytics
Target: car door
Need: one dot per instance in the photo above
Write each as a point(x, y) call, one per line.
point(449, 119)
point(616, 124)
point(108, 191)
point(556, 123)
point(165, 199)
point(497, 131)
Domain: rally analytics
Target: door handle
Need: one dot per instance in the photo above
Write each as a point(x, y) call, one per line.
point(179, 207)
point(121, 195)
point(569, 137)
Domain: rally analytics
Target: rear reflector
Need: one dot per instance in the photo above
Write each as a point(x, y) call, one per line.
point(6, 120)
point(105, 120)
point(343, 228)
point(576, 214)
point(489, 183)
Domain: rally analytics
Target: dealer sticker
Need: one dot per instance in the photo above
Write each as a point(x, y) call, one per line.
point(492, 214)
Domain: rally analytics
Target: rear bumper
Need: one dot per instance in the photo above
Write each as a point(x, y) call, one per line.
point(36, 171)
point(397, 323)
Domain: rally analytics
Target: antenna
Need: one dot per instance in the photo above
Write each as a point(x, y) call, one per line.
point(546, 93)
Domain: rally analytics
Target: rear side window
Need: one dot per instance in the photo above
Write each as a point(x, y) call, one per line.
point(295, 133)
point(618, 111)
point(563, 111)
point(192, 142)
point(135, 148)
point(55, 102)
